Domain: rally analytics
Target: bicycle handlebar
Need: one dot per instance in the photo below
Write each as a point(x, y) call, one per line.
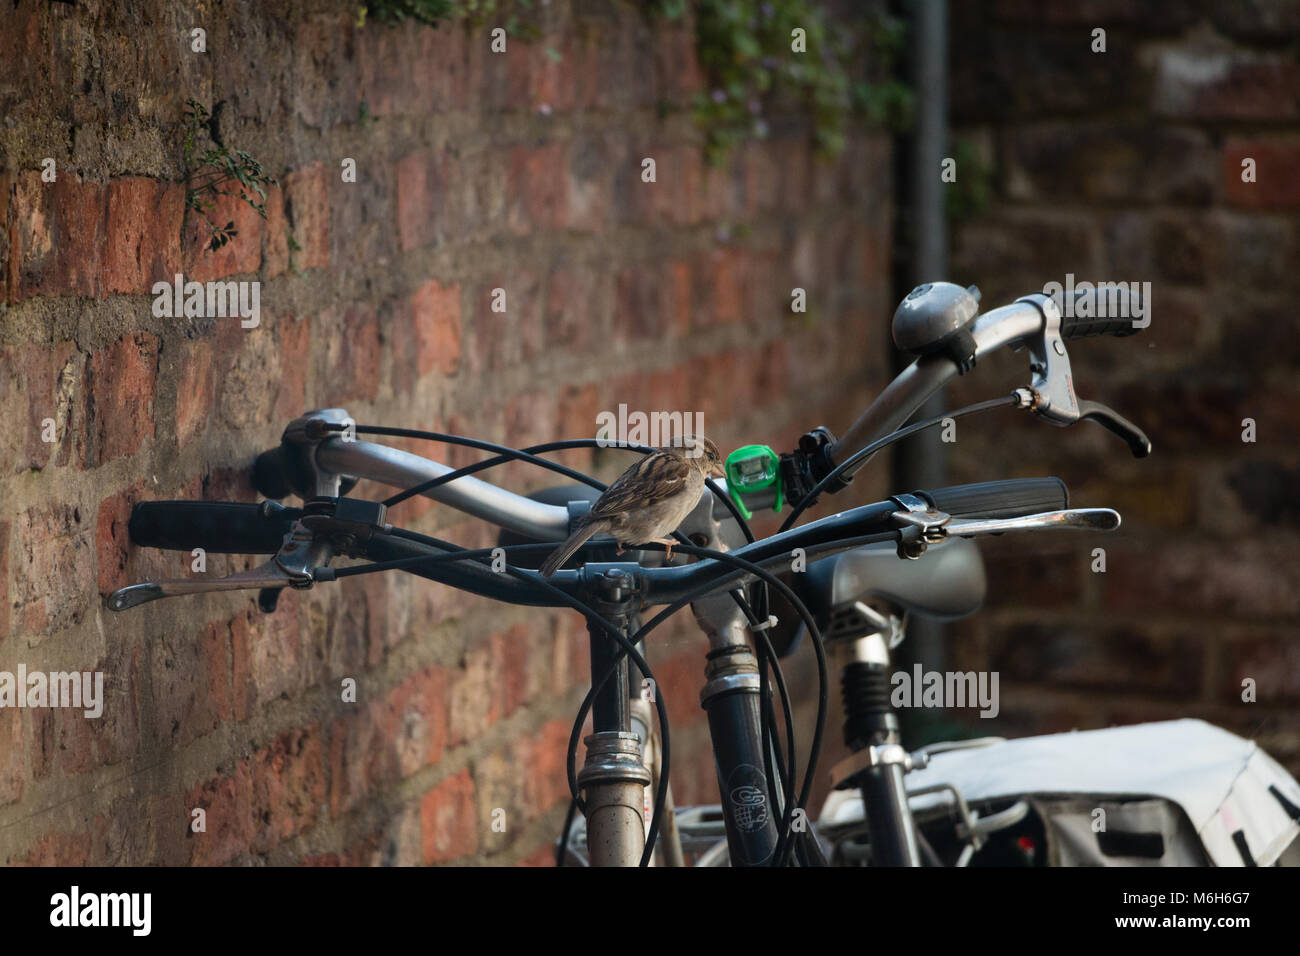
point(218, 526)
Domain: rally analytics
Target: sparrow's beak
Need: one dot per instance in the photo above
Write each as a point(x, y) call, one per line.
point(717, 472)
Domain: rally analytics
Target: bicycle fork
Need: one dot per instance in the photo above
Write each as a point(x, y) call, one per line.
point(878, 762)
point(613, 777)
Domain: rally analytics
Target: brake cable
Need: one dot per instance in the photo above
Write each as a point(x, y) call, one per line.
point(848, 464)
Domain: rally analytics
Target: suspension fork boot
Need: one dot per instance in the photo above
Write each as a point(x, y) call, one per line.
point(613, 780)
point(731, 699)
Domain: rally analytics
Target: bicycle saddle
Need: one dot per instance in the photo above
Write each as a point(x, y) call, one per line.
point(946, 583)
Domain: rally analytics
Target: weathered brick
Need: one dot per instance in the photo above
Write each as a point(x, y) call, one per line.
point(1208, 84)
point(38, 385)
point(194, 390)
point(1269, 657)
point(143, 239)
point(230, 829)
point(121, 382)
point(538, 187)
point(13, 756)
point(349, 363)
point(241, 255)
point(435, 315)
point(307, 207)
point(475, 695)
point(1098, 161)
point(288, 786)
point(56, 237)
point(191, 683)
point(1276, 185)
point(419, 199)
point(52, 560)
point(447, 819)
point(1234, 579)
point(112, 541)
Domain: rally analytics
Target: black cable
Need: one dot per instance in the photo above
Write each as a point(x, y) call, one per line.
point(815, 638)
point(563, 845)
point(626, 647)
point(848, 464)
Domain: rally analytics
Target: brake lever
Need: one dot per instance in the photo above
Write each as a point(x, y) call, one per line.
point(297, 564)
point(922, 525)
point(1051, 394)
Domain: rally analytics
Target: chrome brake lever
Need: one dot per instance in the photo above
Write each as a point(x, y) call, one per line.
point(922, 525)
point(295, 565)
point(1081, 519)
point(1051, 394)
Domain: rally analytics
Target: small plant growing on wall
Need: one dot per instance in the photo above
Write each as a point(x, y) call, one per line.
point(218, 171)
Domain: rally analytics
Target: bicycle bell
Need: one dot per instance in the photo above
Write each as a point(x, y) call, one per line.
point(936, 317)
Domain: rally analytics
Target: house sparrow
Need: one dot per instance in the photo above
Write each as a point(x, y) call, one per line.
point(648, 501)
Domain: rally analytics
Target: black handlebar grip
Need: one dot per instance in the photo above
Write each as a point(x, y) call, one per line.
point(1121, 311)
point(1013, 498)
point(220, 527)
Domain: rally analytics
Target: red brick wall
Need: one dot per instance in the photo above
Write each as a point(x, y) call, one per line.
point(475, 171)
point(1127, 166)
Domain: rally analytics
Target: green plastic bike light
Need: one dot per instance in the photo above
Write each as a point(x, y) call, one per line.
point(754, 473)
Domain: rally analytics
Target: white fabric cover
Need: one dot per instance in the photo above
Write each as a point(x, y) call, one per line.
point(1220, 780)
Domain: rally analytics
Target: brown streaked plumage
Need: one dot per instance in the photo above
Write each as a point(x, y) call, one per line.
point(647, 502)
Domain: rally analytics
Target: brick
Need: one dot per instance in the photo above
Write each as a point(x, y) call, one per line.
point(538, 75)
point(144, 226)
point(420, 196)
point(194, 391)
point(1248, 578)
point(52, 559)
point(277, 659)
point(1136, 659)
point(191, 683)
point(1257, 19)
point(307, 208)
point(1276, 184)
point(518, 683)
point(56, 236)
point(641, 311)
point(447, 819)
point(275, 237)
point(113, 546)
point(241, 255)
point(435, 315)
point(350, 362)
point(287, 786)
point(678, 295)
point(569, 318)
point(475, 695)
point(248, 363)
point(13, 756)
point(588, 201)
point(37, 383)
point(415, 721)
point(293, 344)
point(121, 384)
point(1206, 84)
point(1098, 161)
point(228, 802)
point(79, 744)
point(5, 526)
point(1271, 658)
point(538, 187)
point(540, 759)
point(719, 286)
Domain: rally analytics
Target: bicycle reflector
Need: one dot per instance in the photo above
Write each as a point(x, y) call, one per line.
point(754, 478)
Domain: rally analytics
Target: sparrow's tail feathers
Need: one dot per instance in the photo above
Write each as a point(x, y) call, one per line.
point(571, 544)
